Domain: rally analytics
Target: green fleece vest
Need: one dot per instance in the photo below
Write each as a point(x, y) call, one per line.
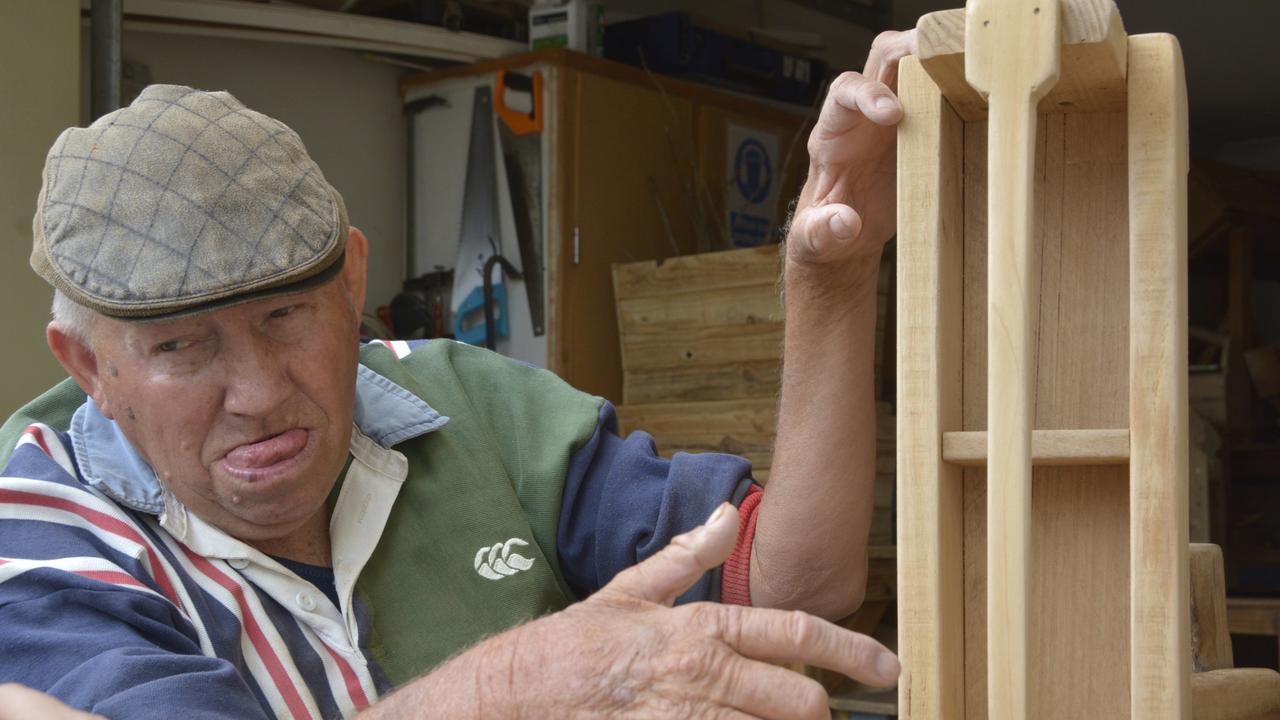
point(494, 473)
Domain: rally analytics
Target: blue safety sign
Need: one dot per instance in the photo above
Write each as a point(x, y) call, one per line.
point(752, 171)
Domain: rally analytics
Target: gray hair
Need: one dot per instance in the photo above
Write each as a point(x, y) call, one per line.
point(75, 319)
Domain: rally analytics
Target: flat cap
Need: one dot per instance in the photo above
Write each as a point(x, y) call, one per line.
point(183, 202)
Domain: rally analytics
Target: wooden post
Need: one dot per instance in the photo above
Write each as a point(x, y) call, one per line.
point(1160, 625)
point(930, 497)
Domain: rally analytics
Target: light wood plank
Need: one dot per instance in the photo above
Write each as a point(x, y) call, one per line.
point(1093, 60)
point(1253, 616)
point(1210, 638)
point(1084, 350)
point(1012, 50)
point(1079, 593)
point(1158, 379)
point(728, 381)
point(1048, 447)
point(706, 271)
point(1239, 694)
point(930, 533)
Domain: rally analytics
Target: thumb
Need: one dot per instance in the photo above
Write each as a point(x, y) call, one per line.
point(676, 567)
point(824, 234)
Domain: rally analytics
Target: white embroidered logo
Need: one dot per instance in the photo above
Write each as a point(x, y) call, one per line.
point(497, 562)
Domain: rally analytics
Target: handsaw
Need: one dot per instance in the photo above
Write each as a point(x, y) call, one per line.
point(1012, 58)
point(520, 131)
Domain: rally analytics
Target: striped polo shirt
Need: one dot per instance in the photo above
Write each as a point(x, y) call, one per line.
point(116, 599)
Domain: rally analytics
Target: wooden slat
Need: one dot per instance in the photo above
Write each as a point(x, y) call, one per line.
point(930, 571)
point(1093, 60)
point(707, 271)
point(1253, 616)
point(677, 312)
point(1210, 638)
point(705, 347)
point(739, 427)
point(1158, 379)
point(729, 381)
point(1239, 694)
point(1012, 50)
point(1048, 447)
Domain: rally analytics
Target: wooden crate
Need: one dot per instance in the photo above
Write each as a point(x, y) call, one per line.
point(709, 326)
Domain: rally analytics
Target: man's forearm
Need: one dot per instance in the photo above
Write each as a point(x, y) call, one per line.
point(811, 532)
point(463, 687)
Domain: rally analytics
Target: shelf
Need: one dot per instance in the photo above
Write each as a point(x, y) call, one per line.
point(258, 21)
point(1048, 447)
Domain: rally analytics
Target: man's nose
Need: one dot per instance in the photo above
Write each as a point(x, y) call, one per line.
point(257, 379)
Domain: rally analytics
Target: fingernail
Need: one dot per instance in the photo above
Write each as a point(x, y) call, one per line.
point(885, 103)
point(718, 514)
point(888, 667)
point(839, 226)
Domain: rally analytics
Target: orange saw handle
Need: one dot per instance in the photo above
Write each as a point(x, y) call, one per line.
point(520, 122)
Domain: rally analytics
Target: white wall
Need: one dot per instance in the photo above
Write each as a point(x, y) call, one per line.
point(346, 108)
point(39, 97)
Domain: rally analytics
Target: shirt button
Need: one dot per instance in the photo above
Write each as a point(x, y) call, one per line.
point(306, 602)
point(238, 563)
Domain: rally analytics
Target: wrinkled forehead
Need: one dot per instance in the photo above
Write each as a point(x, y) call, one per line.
point(327, 299)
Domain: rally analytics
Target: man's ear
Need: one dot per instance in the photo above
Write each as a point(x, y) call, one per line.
point(355, 268)
point(80, 363)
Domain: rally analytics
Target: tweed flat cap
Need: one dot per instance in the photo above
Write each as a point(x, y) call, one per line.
point(183, 202)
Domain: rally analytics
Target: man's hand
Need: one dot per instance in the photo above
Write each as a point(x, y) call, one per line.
point(22, 703)
point(625, 652)
point(848, 207)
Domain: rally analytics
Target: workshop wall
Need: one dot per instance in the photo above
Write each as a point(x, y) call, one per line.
point(39, 81)
point(346, 109)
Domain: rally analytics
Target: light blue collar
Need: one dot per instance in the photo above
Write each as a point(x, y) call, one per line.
point(384, 411)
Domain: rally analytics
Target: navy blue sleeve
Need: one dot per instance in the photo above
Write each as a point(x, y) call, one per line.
point(114, 652)
point(623, 503)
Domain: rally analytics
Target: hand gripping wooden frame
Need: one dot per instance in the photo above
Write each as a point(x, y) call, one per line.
point(1042, 169)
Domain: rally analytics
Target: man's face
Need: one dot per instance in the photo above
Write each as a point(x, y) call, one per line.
point(245, 412)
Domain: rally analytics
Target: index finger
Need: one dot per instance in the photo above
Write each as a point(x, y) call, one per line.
point(794, 636)
point(886, 51)
point(852, 97)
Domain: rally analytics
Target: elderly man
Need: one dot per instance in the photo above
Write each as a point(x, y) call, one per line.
point(234, 510)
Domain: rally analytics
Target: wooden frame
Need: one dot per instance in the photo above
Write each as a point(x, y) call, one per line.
point(1106, 596)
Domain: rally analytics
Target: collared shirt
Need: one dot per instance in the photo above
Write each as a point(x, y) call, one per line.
point(115, 598)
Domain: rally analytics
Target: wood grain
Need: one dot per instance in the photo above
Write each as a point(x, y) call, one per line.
point(735, 268)
point(1210, 638)
point(1160, 662)
point(930, 538)
point(1012, 52)
point(1093, 60)
point(1082, 348)
point(1241, 694)
point(1048, 447)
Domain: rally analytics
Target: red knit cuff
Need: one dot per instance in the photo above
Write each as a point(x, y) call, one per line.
point(735, 577)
